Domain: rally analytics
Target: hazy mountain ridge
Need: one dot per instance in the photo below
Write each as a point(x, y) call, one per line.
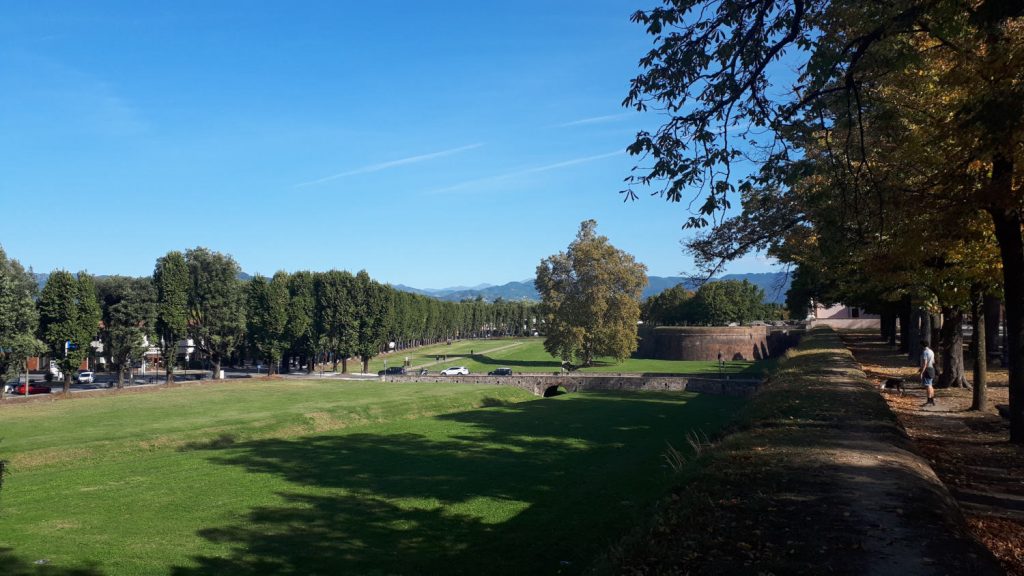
point(774, 284)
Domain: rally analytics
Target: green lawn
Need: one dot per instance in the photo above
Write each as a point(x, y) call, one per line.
point(528, 355)
point(315, 477)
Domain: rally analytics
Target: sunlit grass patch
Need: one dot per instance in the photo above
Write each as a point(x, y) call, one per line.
point(251, 477)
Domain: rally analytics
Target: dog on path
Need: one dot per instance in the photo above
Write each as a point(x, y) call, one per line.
point(894, 384)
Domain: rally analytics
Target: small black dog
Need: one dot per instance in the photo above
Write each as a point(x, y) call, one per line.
point(894, 384)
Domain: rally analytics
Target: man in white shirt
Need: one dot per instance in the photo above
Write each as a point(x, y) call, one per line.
point(928, 371)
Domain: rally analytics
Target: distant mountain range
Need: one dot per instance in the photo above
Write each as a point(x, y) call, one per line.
point(774, 284)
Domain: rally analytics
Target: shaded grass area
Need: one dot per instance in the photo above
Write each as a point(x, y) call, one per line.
point(528, 355)
point(813, 478)
point(321, 478)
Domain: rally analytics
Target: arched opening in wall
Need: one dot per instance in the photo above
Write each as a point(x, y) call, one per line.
point(555, 390)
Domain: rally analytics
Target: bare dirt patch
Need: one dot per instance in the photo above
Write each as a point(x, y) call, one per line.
point(968, 449)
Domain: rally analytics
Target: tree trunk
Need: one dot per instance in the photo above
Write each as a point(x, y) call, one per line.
point(67, 381)
point(344, 365)
point(891, 312)
point(935, 336)
point(366, 364)
point(905, 314)
point(979, 398)
point(952, 345)
point(216, 367)
point(883, 324)
point(1011, 248)
point(919, 326)
point(993, 312)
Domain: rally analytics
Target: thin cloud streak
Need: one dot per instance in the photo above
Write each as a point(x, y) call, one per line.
point(388, 164)
point(595, 120)
point(528, 171)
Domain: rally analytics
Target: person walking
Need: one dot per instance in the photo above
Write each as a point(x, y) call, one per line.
point(928, 372)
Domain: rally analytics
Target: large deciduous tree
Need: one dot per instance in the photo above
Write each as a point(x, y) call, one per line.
point(69, 318)
point(726, 301)
point(170, 277)
point(372, 307)
point(128, 307)
point(910, 103)
point(267, 316)
point(670, 307)
point(300, 333)
point(335, 320)
point(216, 304)
point(590, 299)
point(18, 317)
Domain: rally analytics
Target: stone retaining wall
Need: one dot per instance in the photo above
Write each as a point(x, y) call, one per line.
point(542, 384)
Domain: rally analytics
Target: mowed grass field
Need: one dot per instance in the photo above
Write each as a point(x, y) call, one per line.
point(528, 355)
point(321, 477)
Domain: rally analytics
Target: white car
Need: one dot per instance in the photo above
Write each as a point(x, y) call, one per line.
point(85, 377)
point(455, 371)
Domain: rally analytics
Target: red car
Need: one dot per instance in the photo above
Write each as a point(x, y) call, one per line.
point(32, 389)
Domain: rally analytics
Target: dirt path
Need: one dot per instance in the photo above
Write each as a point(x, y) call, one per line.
point(817, 478)
point(968, 450)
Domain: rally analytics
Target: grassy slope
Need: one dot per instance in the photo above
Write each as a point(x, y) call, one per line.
point(313, 477)
point(528, 355)
point(773, 497)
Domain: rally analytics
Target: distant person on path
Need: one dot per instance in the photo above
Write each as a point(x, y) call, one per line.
point(928, 371)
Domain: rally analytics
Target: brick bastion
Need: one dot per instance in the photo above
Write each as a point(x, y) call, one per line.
point(707, 342)
point(548, 384)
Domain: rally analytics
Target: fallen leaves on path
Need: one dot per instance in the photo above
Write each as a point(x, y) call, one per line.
point(968, 449)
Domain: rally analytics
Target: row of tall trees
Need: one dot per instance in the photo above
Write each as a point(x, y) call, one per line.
point(714, 303)
point(19, 318)
point(197, 296)
point(887, 168)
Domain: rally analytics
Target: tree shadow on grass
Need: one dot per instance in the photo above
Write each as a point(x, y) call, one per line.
point(11, 565)
point(513, 363)
point(538, 487)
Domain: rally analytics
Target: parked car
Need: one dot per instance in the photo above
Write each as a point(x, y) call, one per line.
point(455, 371)
point(392, 371)
point(32, 389)
point(500, 372)
point(85, 377)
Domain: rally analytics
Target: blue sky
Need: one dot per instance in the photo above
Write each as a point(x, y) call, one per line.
point(432, 144)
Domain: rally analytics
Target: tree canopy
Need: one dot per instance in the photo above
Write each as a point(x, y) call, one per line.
point(18, 316)
point(590, 299)
point(69, 319)
point(877, 146)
